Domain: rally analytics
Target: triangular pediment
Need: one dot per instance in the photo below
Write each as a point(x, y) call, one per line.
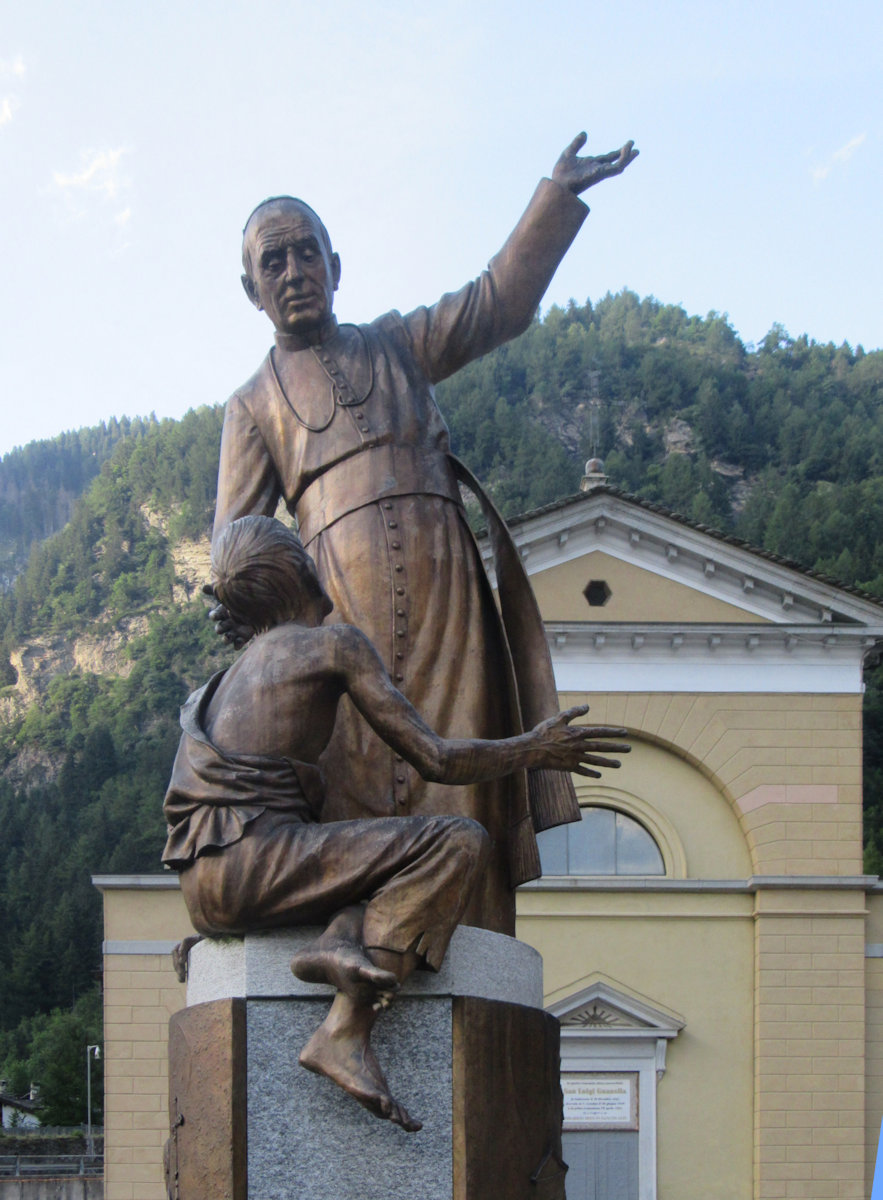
point(657, 567)
point(630, 591)
point(603, 1008)
point(596, 1014)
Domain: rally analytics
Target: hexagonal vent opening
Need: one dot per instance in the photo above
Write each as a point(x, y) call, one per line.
point(597, 593)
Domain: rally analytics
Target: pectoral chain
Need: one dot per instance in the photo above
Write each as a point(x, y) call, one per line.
point(336, 396)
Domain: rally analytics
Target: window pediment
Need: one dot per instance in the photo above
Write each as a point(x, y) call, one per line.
point(602, 1008)
point(596, 1015)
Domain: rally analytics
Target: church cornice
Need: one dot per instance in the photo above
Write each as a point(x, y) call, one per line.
point(770, 587)
point(647, 515)
point(761, 640)
point(737, 658)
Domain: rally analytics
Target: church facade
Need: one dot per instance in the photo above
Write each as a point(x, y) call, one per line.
point(711, 946)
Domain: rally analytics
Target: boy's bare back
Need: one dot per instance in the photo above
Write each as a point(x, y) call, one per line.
point(280, 697)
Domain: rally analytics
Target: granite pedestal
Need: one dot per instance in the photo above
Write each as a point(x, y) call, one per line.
point(469, 1052)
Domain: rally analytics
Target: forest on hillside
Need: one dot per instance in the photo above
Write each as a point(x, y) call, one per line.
point(40, 483)
point(781, 444)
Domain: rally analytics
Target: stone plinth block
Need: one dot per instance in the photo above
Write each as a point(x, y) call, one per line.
point(468, 1051)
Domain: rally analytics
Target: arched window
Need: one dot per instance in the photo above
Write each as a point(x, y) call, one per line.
point(605, 842)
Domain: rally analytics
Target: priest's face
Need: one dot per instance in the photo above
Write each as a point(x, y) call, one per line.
point(292, 273)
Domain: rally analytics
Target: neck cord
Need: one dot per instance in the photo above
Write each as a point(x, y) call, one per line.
point(336, 397)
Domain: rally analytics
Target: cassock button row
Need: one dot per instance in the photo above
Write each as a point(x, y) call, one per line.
point(401, 633)
point(393, 524)
point(360, 416)
point(387, 504)
point(400, 779)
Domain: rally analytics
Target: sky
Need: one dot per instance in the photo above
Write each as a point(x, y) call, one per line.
point(135, 139)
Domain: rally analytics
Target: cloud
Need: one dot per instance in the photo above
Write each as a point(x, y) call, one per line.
point(99, 187)
point(843, 155)
point(16, 67)
point(99, 175)
point(8, 104)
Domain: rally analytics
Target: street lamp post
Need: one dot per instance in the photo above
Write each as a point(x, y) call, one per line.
point(91, 1052)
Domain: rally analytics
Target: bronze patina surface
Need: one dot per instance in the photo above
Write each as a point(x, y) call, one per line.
point(342, 422)
point(207, 1151)
point(508, 1104)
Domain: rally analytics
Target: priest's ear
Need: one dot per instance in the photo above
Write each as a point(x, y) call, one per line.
point(252, 292)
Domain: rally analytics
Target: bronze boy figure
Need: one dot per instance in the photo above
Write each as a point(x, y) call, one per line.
point(246, 800)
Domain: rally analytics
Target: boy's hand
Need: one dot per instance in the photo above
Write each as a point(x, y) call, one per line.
point(566, 747)
point(236, 633)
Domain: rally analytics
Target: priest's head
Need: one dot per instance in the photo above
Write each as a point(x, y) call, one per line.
point(291, 271)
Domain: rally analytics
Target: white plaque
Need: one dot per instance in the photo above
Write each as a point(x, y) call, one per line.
point(600, 1101)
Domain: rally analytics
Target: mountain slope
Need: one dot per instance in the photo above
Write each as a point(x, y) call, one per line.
point(104, 633)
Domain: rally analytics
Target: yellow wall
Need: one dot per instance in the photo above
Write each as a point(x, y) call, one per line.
point(809, 745)
point(873, 1030)
point(636, 595)
point(690, 953)
point(679, 805)
point(810, 1042)
point(768, 1076)
point(141, 992)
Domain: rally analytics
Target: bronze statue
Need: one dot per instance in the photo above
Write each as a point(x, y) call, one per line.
point(246, 799)
point(342, 422)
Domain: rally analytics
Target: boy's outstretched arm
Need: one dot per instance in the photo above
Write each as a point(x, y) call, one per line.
point(553, 744)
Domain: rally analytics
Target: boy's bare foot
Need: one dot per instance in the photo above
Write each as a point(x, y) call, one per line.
point(181, 956)
point(340, 1049)
point(338, 958)
point(346, 1058)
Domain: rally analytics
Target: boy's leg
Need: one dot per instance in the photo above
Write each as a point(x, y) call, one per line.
point(410, 917)
point(414, 873)
point(338, 957)
point(340, 1049)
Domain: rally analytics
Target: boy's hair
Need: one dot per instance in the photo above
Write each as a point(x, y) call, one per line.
point(261, 572)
